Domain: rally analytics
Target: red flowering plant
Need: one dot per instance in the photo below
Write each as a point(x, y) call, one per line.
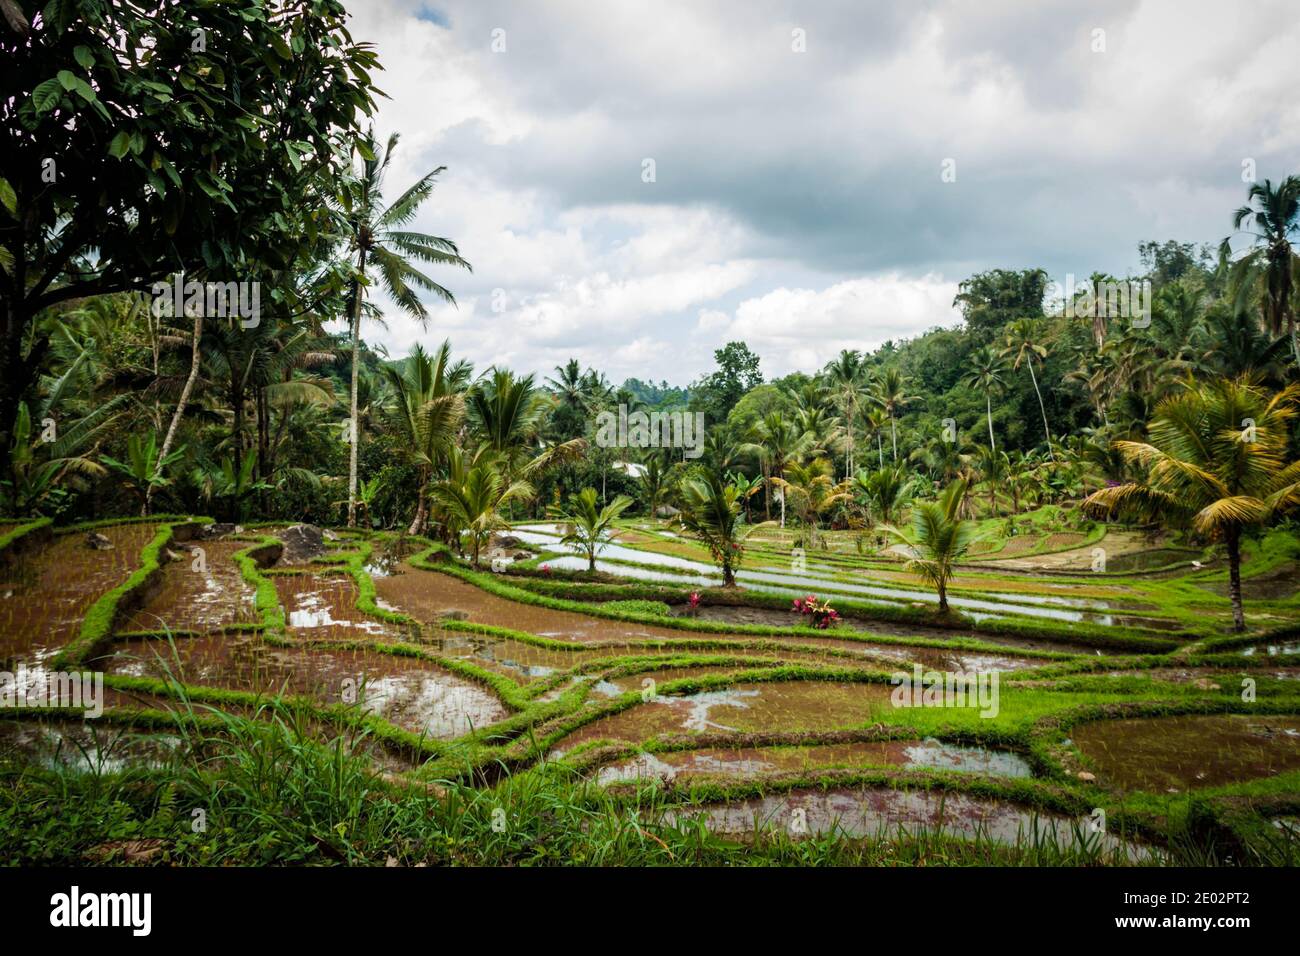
point(820, 614)
point(693, 602)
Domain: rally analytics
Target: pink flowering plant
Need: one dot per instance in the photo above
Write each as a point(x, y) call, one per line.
point(820, 614)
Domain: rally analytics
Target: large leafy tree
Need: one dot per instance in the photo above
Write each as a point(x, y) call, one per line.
point(140, 140)
point(378, 238)
point(1217, 463)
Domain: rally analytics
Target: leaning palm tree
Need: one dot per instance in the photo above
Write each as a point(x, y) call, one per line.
point(471, 499)
point(426, 414)
point(938, 540)
point(1216, 462)
point(1274, 214)
point(589, 524)
point(1024, 340)
point(987, 366)
point(377, 235)
point(712, 511)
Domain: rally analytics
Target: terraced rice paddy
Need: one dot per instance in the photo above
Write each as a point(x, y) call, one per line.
point(1113, 691)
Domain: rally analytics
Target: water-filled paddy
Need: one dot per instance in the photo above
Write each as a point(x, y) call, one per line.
point(1185, 752)
point(673, 765)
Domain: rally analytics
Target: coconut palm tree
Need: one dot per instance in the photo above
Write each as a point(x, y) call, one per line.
point(812, 491)
point(846, 377)
point(711, 510)
point(427, 409)
point(1216, 462)
point(378, 237)
point(471, 499)
point(654, 482)
point(886, 492)
point(889, 392)
point(939, 539)
point(987, 367)
point(778, 443)
point(1024, 340)
point(589, 524)
point(1274, 215)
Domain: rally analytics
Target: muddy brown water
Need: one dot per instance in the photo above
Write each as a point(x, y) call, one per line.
point(757, 761)
point(322, 607)
point(881, 812)
point(84, 745)
point(410, 693)
point(776, 706)
point(198, 592)
point(425, 594)
point(1164, 754)
point(45, 593)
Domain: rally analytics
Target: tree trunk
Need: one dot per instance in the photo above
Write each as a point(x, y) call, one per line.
point(893, 430)
point(1043, 408)
point(1234, 579)
point(728, 575)
point(354, 435)
point(195, 362)
point(421, 507)
point(988, 406)
point(943, 598)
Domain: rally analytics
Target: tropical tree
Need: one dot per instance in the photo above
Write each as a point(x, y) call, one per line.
point(939, 538)
point(711, 510)
point(1024, 341)
point(812, 491)
point(654, 482)
point(846, 374)
point(1216, 462)
point(473, 496)
point(778, 444)
point(589, 525)
point(889, 392)
point(426, 413)
point(1273, 213)
point(987, 367)
point(144, 466)
point(885, 491)
point(378, 237)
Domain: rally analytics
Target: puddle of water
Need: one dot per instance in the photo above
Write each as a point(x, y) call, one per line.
point(198, 596)
point(323, 607)
point(84, 746)
point(44, 594)
point(387, 557)
point(410, 693)
point(1272, 650)
point(1164, 754)
point(882, 813)
point(754, 761)
point(618, 686)
point(742, 708)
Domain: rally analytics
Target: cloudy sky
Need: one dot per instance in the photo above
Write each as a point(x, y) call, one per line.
point(799, 199)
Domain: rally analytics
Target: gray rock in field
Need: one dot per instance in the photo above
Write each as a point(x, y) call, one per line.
point(505, 542)
point(98, 542)
point(302, 542)
point(453, 614)
point(666, 511)
point(219, 529)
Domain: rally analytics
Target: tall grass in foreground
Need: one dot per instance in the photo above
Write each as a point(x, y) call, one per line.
point(270, 792)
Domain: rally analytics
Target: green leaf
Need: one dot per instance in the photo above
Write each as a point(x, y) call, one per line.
point(120, 144)
point(46, 96)
point(67, 79)
point(280, 47)
point(7, 197)
point(83, 56)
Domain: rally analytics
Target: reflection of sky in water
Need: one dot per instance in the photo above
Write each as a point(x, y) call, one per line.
point(441, 706)
point(313, 611)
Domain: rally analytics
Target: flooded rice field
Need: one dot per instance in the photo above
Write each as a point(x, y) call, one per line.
point(668, 766)
point(1166, 754)
point(202, 590)
point(410, 693)
point(741, 708)
point(322, 607)
point(883, 813)
point(44, 594)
